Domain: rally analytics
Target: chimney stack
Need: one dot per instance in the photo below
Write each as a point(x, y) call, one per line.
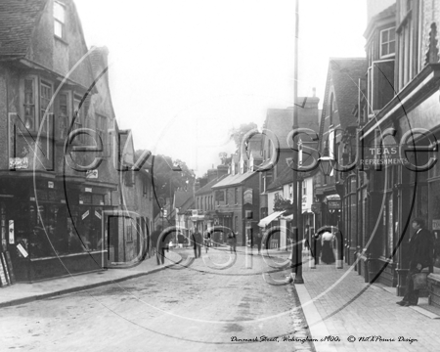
point(212, 175)
point(222, 170)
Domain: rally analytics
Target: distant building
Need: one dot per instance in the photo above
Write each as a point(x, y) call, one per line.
point(277, 182)
point(237, 204)
point(344, 77)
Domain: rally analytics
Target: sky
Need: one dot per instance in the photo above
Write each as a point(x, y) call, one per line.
point(184, 73)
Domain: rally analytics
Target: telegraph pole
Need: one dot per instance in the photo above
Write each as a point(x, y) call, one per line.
point(297, 202)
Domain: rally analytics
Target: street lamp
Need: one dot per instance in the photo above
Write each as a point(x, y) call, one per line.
point(326, 165)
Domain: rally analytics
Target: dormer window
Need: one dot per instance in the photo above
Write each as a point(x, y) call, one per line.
point(387, 42)
point(59, 12)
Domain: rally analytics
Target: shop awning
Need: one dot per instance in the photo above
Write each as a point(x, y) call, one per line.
point(268, 219)
point(196, 218)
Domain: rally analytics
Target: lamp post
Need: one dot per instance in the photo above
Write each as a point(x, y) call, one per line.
point(297, 205)
point(325, 164)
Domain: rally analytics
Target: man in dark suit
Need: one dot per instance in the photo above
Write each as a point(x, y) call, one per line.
point(158, 247)
point(421, 247)
point(197, 240)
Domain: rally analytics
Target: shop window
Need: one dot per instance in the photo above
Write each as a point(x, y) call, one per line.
point(98, 199)
point(78, 117)
point(85, 198)
point(36, 96)
point(434, 217)
point(64, 114)
point(101, 129)
point(45, 107)
point(29, 104)
point(128, 229)
point(42, 195)
point(59, 15)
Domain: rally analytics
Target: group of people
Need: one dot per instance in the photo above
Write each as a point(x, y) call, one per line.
point(323, 246)
point(419, 253)
point(198, 241)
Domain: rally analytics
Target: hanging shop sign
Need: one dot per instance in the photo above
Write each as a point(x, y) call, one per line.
point(86, 214)
point(334, 204)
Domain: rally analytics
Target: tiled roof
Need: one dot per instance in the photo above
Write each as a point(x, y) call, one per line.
point(284, 178)
point(207, 188)
point(280, 121)
point(18, 18)
point(388, 12)
point(183, 198)
point(234, 180)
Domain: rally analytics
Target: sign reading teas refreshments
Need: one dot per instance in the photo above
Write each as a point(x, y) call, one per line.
point(385, 155)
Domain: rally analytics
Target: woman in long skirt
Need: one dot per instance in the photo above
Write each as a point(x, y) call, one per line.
point(328, 256)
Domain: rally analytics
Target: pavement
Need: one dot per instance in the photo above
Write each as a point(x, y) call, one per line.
point(343, 312)
point(358, 316)
point(21, 293)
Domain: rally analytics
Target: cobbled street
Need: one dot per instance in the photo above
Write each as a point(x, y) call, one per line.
point(193, 308)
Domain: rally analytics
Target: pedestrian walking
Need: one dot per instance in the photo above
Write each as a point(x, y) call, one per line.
point(421, 250)
point(180, 240)
point(258, 240)
point(327, 243)
point(157, 248)
point(207, 241)
point(197, 240)
point(232, 241)
point(316, 247)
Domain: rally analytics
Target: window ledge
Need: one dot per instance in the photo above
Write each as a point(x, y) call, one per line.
point(61, 40)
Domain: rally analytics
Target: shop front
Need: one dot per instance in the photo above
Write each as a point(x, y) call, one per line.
point(400, 184)
point(50, 228)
